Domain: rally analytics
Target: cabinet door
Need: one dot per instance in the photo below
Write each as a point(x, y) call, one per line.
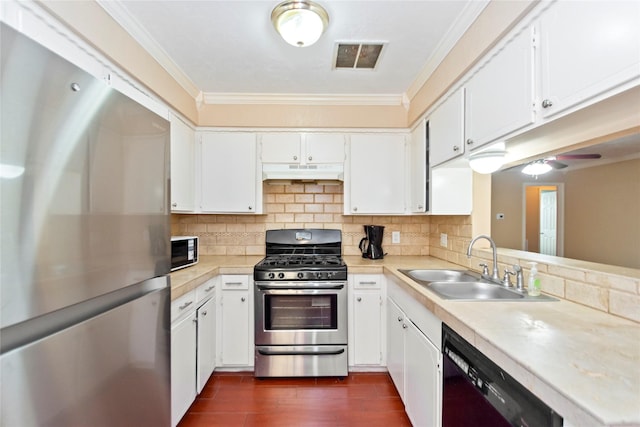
point(367, 325)
point(587, 50)
point(419, 168)
point(324, 148)
point(423, 382)
point(206, 342)
point(228, 172)
point(376, 174)
point(183, 366)
point(451, 191)
point(396, 325)
point(235, 328)
point(446, 130)
point(281, 148)
point(183, 141)
point(499, 97)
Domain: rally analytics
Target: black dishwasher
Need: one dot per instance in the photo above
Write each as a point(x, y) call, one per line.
point(476, 392)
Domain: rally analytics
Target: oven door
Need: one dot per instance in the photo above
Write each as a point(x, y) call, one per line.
point(301, 313)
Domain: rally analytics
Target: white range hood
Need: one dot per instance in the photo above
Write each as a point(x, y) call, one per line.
point(298, 172)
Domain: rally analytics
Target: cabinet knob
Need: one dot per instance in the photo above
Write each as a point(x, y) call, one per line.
point(174, 205)
point(295, 157)
point(456, 148)
point(399, 318)
point(359, 299)
point(204, 313)
point(355, 209)
point(404, 326)
point(546, 103)
point(420, 207)
point(469, 141)
point(310, 158)
point(243, 299)
point(250, 208)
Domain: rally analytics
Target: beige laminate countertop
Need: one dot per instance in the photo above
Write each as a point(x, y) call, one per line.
point(582, 362)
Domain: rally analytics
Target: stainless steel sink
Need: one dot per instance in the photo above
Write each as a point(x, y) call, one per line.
point(464, 285)
point(474, 291)
point(429, 276)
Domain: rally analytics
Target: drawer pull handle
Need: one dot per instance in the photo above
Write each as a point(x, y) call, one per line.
point(185, 305)
point(367, 283)
point(209, 288)
point(233, 283)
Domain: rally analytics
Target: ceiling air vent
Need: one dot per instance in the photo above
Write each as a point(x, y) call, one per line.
point(358, 55)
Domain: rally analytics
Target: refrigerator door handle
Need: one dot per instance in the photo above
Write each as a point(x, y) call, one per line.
point(26, 332)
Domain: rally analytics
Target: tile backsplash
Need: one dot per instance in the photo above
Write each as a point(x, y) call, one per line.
point(300, 206)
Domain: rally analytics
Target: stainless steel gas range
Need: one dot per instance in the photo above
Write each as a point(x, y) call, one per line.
point(301, 305)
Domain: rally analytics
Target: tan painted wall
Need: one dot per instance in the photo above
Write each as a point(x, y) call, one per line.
point(611, 233)
point(301, 116)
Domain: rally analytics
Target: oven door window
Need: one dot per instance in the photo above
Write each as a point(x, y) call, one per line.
point(287, 312)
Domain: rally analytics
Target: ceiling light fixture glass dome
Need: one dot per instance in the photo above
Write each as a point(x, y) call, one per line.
point(536, 168)
point(300, 23)
point(487, 162)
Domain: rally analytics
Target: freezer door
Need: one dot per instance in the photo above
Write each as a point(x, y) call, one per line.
point(84, 184)
point(110, 370)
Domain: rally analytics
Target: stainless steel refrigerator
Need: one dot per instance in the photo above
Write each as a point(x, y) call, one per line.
point(85, 255)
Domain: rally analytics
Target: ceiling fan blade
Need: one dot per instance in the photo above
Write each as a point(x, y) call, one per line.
point(577, 156)
point(556, 164)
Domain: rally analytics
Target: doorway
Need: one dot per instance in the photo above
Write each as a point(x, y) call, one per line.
point(543, 221)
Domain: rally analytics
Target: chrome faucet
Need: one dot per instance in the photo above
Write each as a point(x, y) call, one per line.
point(495, 276)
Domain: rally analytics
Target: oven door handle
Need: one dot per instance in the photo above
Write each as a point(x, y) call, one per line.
point(300, 352)
point(290, 287)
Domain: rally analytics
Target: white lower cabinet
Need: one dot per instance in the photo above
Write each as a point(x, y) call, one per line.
point(236, 322)
point(414, 359)
point(366, 317)
point(206, 352)
point(183, 355)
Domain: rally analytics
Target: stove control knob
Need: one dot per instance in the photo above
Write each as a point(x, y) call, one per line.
point(300, 275)
point(319, 275)
point(280, 275)
point(271, 275)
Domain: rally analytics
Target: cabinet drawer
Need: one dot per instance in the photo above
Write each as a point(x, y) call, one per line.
point(235, 282)
point(367, 281)
point(183, 305)
point(206, 290)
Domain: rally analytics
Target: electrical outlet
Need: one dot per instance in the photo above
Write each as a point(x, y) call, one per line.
point(443, 240)
point(395, 237)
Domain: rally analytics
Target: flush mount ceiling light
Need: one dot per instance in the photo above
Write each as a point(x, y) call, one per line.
point(487, 162)
point(300, 23)
point(536, 168)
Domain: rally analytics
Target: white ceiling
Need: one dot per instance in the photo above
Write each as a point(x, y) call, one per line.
point(229, 48)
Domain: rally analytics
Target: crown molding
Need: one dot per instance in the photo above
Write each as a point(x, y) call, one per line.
point(302, 99)
point(468, 16)
point(132, 26)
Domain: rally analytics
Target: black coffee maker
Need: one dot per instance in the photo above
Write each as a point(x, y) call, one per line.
point(371, 245)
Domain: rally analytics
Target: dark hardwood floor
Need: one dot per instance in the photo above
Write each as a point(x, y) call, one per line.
point(239, 399)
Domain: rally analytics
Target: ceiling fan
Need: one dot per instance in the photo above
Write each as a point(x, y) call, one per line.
point(542, 166)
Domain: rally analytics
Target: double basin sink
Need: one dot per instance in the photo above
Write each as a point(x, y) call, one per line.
point(466, 285)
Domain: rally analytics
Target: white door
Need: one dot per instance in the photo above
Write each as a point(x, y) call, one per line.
point(206, 342)
point(367, 324)
point(396, 325)
point(235, 328)
point(548, 222)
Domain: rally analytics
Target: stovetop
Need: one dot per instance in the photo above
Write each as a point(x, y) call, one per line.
point(302, 254)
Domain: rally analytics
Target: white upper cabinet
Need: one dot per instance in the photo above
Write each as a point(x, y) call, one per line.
point(183, 140)
point(451, 190)
point(375, 174)
point(228, 172)
point(310, 148)
point(418, 168)
point(446, 129)
point(499, 96)
point(586, 49)
point(281, 147)
point(324, 148)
